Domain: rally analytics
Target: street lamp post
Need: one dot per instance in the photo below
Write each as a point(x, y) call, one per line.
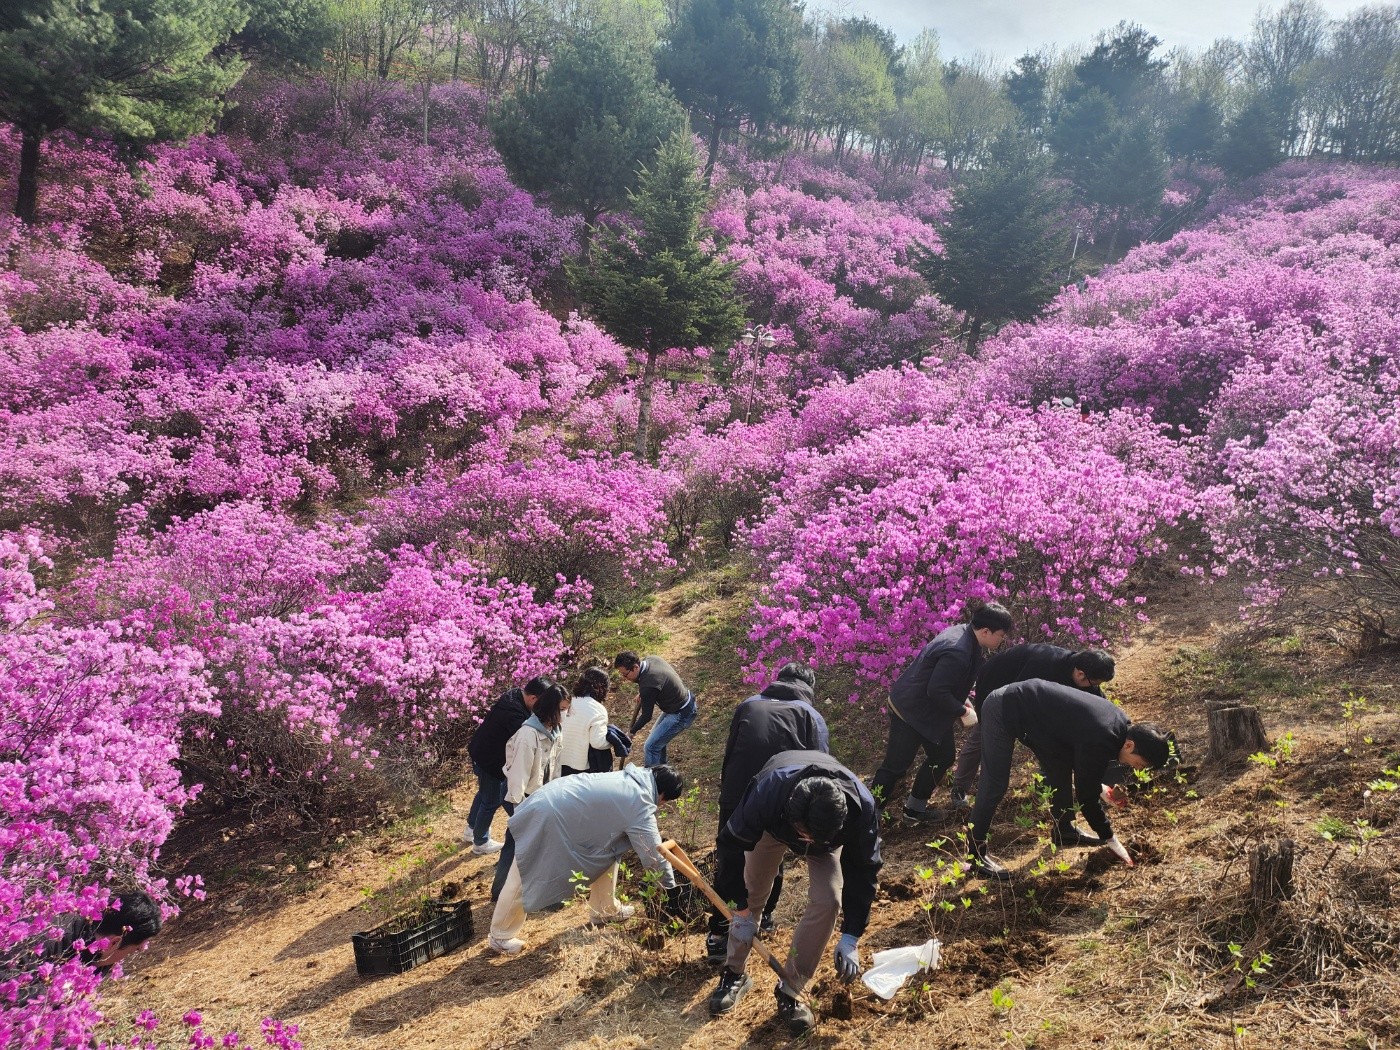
point(758, 338)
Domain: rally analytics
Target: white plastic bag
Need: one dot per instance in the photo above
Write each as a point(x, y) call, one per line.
point(894, 966)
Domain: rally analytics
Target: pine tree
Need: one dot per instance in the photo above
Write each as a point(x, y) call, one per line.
point(1003, 241)
point(656, 288)
point(734, 61)
point(597, 117)
point(138, 70)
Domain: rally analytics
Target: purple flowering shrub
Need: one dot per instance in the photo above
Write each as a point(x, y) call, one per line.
point(1269, 340)
point(873, 545)
point(89, 726)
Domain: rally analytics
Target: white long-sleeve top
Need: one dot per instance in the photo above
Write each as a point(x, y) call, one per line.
point(585, 725)
point(532, 758)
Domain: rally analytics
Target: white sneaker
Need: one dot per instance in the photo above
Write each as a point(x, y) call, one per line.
point(623, 913)
point(505, 946)
point(487, 847)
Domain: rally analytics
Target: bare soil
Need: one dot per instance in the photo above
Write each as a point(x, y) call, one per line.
point(1077, 951)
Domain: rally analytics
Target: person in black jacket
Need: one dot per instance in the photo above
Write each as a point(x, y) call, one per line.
point(1076, 736)
point(780, 718)
point(658, 687)
point(1085, 669)
point(126, 924)
point(488, 754)
point(807, 802)
point(928, 698)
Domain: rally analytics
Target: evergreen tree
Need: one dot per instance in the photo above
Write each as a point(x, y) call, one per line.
point(1003, 241)
point(1194, 133)
point(656, 288)
point(1251, 143)
point(734, 61)
point(597, 117)
point(1027, 87)
point(138, 70)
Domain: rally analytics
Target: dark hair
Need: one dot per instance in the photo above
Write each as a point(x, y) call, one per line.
point(819, 805)
point(593, 682)
point(1151, 743)
point(133, 916)
point(547, 706)
point(993, 616)
point(796, 672)
point(669, 783)
point(538, 686)
point(1095, 663)
point(626, 660)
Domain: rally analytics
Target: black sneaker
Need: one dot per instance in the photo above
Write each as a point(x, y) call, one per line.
point(959, 802)
point(1069, 836)
point(767, 925)
point(922, 816)
point(730, 990)
point(990, 869)
point(716, 948)
point(793, 1012)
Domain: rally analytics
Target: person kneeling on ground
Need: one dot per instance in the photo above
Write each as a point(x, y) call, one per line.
point(781, 718)
point(1075, 736)
point(583, 824)
point(807, 802)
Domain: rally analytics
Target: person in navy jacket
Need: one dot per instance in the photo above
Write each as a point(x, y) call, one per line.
point(807, 802)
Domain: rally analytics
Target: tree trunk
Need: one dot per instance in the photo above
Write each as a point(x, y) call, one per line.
point(1235, 730)
point(28, 194)
point(1270, 875)
point(644, 406)
point(715, 131)
point(974, 335)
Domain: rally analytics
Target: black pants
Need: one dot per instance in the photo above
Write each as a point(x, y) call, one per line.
point(730, 860)
point(904, 745)
point(505, 858)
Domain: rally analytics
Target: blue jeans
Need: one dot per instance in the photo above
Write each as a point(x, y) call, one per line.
point(490, 793)
point(667, 728)
point(505, 858)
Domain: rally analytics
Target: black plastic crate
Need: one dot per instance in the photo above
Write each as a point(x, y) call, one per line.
point(378, 953)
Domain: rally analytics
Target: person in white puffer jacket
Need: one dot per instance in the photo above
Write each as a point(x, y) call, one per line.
point(585, 726)
point(532, 760)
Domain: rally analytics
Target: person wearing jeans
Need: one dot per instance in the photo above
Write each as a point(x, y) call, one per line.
point(659, 688)
point(488, 754)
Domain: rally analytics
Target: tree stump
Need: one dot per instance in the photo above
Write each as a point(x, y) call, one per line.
point(1235, 730)
point(1270, 875)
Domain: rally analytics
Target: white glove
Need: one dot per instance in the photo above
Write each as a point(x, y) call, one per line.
point(1119, 850)
point(969, 715)
point(1113, 796)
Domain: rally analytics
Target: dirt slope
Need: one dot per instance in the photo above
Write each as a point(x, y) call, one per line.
point(1075, 952)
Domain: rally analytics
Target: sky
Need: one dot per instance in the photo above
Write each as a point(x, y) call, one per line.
point(1006, 29)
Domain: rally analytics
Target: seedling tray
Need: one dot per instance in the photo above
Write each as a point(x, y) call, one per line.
point(447, 926)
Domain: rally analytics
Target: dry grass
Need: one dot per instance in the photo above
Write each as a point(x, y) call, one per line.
point(1075, 952)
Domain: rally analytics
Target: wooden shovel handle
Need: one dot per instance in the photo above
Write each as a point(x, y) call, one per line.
point(672, 851)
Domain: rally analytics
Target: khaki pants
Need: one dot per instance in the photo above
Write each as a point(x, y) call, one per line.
point(813, 931)
point(509, 917)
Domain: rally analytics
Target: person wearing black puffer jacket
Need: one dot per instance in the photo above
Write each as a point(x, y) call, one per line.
point(488, 754)
point(780, 718)
point(807, 802)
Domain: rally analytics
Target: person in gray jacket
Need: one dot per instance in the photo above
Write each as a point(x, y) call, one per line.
point(659, 687)
point(582, 824)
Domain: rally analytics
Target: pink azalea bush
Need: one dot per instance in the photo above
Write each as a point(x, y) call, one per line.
point(871, 547)
point(1268, 339)
point(89, 718)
